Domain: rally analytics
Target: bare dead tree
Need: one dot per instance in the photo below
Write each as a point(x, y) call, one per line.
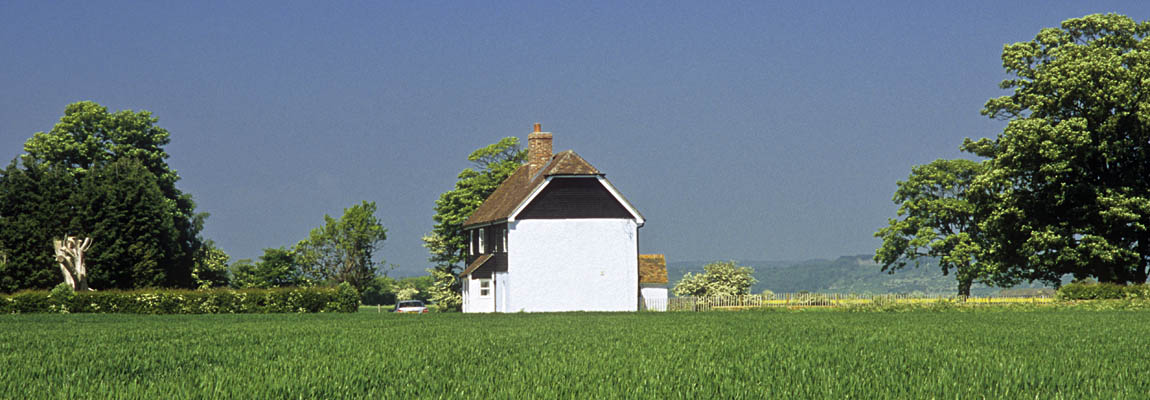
point(70, 255)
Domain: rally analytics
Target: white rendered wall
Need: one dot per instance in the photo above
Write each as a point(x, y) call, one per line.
point(471, 300)
point(500, 291)
point(466, 297)
point(573, 265)
point(655, 298)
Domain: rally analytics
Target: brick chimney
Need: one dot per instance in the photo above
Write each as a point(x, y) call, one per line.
point(538, 149)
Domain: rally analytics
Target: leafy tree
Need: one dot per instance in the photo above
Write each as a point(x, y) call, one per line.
point(245, 275)
point(720, 278)
point(34, 208)
point(936, 220)
point(342, 250)
point(1066, 179)
point(276, 268)
point(491, 165)
point(407, 293)
point(415, 288)
point(120, 206)
point(61, 163)
point(211, 266)
point(442, 292)
point(381, 290)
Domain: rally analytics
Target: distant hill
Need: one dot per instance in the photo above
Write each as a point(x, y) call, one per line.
point(847, 274)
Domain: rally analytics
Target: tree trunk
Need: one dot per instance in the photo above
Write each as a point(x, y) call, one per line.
point(964, 287)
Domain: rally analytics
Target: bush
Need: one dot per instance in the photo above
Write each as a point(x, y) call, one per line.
point(347, 299)
point(62, 296)
point(165, 301)
point(1103, 291)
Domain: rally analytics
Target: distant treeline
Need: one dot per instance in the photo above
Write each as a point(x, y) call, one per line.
point(847, 274)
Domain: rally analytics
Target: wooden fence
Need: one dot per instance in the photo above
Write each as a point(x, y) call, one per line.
point(795, 300)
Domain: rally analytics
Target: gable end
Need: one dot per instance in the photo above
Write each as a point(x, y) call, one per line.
point(582, 197)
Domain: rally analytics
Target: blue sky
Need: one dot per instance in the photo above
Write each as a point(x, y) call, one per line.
point(747, 131)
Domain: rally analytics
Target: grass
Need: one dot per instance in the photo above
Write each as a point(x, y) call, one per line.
point(1046, 354)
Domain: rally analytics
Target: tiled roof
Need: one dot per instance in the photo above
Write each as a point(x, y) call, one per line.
point(652, 268)
point(569, 163)
point(502, 202)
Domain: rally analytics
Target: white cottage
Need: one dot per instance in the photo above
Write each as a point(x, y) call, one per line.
point(555, 236)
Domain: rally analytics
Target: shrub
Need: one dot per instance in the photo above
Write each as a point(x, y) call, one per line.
point(173, 301)
point(347, 299)
point(62, 296)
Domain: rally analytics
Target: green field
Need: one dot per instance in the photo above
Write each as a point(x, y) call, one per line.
point(1006, 354)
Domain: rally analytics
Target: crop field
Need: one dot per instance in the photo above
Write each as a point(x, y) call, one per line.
point(1046, 354)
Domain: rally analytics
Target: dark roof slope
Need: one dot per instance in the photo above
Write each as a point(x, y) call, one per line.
point(475, 264)
point(502, 202)
point(652, 268)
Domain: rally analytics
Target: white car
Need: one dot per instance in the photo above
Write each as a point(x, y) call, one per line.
point(411, 306)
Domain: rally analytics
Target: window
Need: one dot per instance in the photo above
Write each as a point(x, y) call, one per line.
point(471, 244)
point(484, 288)
point(482, 249)
point(504, 240)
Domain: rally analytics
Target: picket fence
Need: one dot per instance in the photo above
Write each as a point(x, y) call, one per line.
point(796, 300)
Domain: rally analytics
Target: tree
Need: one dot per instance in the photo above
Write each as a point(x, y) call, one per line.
point(120, 206)
point(246, 276)
point(35, 208)
point(381, 290)
point(58, 170)
point(442, 291)
point(211, 266)
point(491, 165)
point(720, 278)
point(936, 219)
point(276, 268)
point(415, 288)
point(342, 250)
point(1066, 179)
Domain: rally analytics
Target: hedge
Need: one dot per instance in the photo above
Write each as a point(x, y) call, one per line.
point(1103, 291)
point(175, 301)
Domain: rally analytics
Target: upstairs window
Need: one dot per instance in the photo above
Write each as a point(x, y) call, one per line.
point(482, 249)
point(471, 243)
point(504, 240)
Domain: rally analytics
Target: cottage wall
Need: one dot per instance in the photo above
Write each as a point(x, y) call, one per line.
point(474, 301)
point(573, 265)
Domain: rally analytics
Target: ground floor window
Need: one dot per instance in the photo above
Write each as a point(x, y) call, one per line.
point(484, 288)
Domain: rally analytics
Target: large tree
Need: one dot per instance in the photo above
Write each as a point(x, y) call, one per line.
point(1067, 178)
point(276, 268)
point(936, 219)
point(35, 207)
point(87, 142)
point(344, 249)
point(491, 165)
point(120, 206)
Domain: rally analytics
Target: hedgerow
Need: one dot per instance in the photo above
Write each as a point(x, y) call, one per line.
point(176, 301)
point(1103, 291)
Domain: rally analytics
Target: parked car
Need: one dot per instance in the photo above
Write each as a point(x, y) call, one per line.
point(411, 306)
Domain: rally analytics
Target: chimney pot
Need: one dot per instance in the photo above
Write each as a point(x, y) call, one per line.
point(538, 127)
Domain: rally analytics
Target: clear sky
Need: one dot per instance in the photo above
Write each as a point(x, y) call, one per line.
point(751, 131)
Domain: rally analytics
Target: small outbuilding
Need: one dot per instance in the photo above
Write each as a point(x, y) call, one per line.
point(653, 282)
